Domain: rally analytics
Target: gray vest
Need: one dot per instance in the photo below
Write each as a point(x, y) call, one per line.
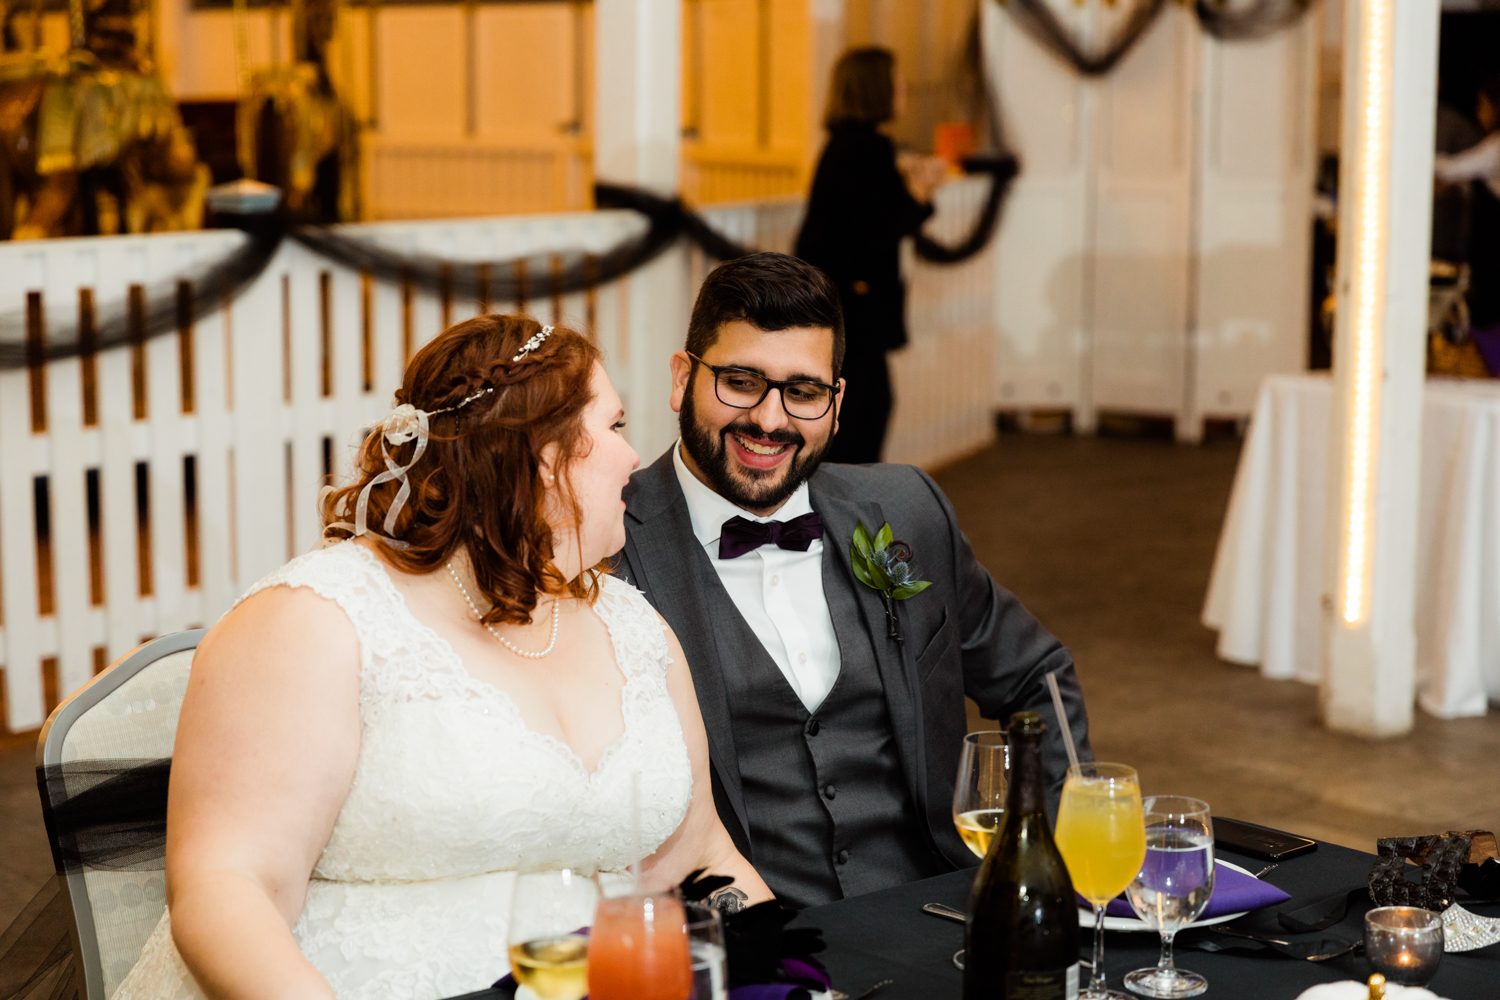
point(830, 814)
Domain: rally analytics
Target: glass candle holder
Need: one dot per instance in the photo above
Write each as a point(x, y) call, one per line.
point(1404, 943)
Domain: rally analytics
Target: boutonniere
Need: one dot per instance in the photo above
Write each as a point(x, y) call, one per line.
point(884, 565)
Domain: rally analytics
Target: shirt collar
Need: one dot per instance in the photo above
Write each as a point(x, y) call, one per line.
point(708, 511)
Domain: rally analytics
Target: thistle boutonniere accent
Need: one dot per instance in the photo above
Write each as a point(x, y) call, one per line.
point(884, 565)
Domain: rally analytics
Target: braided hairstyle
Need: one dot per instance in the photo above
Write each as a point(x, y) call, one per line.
point(478, 485)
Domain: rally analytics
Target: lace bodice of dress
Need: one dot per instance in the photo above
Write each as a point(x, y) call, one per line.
point(452, 793)
point(451, 781)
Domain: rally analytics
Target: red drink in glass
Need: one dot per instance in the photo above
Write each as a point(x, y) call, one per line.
point(638, 950)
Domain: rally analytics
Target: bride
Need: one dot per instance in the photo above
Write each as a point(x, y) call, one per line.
point(382, 732)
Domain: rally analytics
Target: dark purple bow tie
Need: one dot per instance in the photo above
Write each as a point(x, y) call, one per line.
point(740, 535)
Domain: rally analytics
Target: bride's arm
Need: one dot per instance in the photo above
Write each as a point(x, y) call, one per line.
point(266, 749)
point(700, 841)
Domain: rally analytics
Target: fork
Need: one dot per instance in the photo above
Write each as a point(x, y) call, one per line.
point(1267, 939)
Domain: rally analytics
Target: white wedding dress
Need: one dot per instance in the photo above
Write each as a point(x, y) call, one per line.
point(451, 795)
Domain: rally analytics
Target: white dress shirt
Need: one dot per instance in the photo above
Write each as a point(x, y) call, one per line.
point(779, 592)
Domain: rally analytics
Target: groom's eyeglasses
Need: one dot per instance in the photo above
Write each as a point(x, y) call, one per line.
point(744, 390)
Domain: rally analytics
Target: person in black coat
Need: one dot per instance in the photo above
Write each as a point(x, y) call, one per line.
point(864, 200)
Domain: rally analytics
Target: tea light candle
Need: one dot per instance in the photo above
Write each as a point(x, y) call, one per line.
point(1404, 943)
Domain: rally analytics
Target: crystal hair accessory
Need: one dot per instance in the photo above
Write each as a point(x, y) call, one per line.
point(405, 423)
point(533, 343)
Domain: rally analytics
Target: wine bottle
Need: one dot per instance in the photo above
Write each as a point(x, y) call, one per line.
point(1021, 936)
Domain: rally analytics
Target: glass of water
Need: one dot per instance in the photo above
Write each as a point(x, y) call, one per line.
point(1173, 887)
point(705, 929)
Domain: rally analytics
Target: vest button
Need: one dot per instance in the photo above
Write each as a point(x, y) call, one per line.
point(813, 727)
point(829, 791)
point(843, 857)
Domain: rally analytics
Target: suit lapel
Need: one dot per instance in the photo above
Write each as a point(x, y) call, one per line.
point(673, 571)
point(839, 518)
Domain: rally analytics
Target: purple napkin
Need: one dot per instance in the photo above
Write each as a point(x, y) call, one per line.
point(807, 970)
point(1233, 891)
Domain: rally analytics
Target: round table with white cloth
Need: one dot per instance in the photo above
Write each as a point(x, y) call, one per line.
point(1266, 590)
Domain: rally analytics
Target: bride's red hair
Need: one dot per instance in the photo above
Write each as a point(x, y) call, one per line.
point(478, 485)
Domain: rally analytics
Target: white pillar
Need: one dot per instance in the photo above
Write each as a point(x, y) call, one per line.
point(1390, 96)
point(828, 45)
point(638, 97)
point(638, 141)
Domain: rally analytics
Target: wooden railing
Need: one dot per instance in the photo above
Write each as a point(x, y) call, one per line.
point(143, 488)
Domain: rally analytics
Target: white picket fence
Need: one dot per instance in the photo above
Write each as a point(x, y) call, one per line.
point(143, 489)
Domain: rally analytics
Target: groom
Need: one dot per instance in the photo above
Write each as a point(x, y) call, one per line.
point(834, 744)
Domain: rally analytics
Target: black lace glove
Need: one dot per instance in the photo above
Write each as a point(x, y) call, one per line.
point(756, 938)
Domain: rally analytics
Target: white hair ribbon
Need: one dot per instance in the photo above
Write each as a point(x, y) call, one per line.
point(405, 423)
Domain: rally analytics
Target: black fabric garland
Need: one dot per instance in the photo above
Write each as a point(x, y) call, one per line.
point(1217, 17)
point(668, 219)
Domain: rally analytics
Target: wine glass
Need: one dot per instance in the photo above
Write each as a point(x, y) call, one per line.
point(705, 930)
point(550, 912)
point(1101, 835)
point(638, 949)
point(1173, 887)
point(979, 794)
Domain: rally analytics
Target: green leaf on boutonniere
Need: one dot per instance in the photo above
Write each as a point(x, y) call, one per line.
point(861, 567)
point(910, 589)
point(883, 539)
point(862, 541)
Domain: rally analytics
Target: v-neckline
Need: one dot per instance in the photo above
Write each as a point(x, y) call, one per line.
point(503, 697)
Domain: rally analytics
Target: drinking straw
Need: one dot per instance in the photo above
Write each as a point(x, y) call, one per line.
point(1062, 723)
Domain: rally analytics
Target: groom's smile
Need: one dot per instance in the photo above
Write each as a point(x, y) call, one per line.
point(759, 452)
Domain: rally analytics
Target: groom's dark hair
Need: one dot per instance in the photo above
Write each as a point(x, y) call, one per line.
point(770, 291)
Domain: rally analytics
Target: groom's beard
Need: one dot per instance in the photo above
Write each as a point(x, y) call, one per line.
point(752, 489)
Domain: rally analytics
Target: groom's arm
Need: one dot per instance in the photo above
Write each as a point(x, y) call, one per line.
point(1007, 654)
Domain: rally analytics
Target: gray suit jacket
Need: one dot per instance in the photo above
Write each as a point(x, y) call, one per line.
point(963, 635)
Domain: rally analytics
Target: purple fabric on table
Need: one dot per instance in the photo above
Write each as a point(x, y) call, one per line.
point(797, 969)
point(1488, 341)
point(1233, 892)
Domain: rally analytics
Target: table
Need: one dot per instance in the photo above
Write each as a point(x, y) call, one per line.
point(884, 935)
point(1265, 593)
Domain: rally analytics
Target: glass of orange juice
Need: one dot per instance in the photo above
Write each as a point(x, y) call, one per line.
point(638, 949)
point(1101, 832)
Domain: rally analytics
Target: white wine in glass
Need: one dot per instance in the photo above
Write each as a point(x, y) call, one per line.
point(555, 968)
point(550, 914)
point(979, 794)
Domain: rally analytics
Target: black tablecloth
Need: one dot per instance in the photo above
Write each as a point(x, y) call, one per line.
point(885, 935)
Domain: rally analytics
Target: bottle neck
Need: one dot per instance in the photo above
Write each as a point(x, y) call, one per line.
point(1025, 794)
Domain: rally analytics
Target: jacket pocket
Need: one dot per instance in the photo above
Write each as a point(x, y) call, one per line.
point(938, 648)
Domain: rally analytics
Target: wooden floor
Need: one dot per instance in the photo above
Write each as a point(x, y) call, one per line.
point(1109, 542)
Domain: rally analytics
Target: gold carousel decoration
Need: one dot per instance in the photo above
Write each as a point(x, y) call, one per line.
point(91, 142)
point(294, 129)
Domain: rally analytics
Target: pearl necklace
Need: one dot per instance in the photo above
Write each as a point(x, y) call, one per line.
point(498, 637)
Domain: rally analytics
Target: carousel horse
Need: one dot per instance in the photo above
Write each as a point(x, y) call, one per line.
point(92, 143)
point(296, 133)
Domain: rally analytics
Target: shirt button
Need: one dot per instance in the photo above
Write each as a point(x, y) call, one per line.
point(843, 857)
point(775, 580)
point(813, 727)
point(829, 791)
point(801, 657)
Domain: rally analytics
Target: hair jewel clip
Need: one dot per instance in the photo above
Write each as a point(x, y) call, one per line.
point(533, 343)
